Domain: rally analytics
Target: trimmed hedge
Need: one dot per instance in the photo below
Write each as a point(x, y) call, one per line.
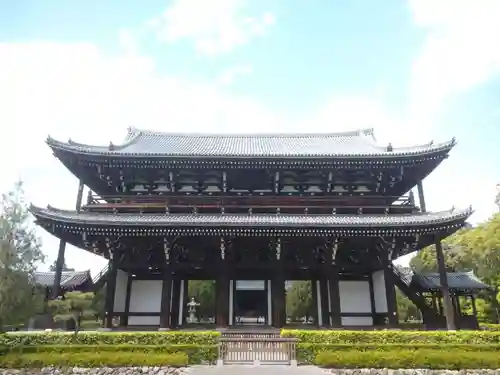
point(430, 359)
point(307, 352)
point(490, 327)
point(92, 359)
point(13, 340)
point(196, 354)
point(394, 337)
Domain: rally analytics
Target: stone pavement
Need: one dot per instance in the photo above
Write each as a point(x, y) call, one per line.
point(255, 370)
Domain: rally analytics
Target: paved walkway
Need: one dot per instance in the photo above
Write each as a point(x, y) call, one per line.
point(255, 370)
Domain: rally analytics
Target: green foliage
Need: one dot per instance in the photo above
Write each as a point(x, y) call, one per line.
point(197, 354)
point(13, 340)
point(394, 337)
point(490, 327)
point(92, 359)
point(299, 301)
point(422, 358)
point(73, 303)
point(472, 249)
point(203, 292)
point(306, 352)
point(19, 255)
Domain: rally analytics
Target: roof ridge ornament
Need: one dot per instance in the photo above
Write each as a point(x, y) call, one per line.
point(390, 148)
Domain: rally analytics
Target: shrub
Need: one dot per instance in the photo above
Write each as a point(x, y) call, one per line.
point(394, 337)
point(13, 340)
point(306, 352)
point(435, 359)
point(490, 327)
point(196, 354)
point(92, 359)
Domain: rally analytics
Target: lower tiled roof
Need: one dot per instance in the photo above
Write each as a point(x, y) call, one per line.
point(69, 279)
point(254, 220)
point(431, 280)
point(456, 280)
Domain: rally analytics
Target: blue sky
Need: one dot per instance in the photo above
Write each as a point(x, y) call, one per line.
point(414, 70)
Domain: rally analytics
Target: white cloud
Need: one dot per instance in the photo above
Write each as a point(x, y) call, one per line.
point(460, 50)
point(77, 91)
point(228, 77)
point(214, 27)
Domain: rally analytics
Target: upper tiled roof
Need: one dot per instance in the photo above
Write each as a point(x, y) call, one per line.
point(69, 279)
point(254, 220)
point(359, 143)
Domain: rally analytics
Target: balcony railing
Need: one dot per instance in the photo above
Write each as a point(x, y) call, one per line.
point(321, 204)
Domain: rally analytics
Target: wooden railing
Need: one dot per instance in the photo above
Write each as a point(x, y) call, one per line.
point(257, 350)
point(162, 202)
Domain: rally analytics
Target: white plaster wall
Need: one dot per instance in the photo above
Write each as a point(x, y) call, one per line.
point(145, 296)
point(144, 320)
point(379, 292)
point(250, 284)
point(357, 321)
point(355, 297)
point(120, 291)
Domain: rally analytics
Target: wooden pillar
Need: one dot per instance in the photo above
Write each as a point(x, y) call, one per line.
point(174, 308)
point(421, 198)
point(278, 300)
point(390, 289)
point(473, 303)
point(315, 310)
point(333, 280)
point(110, 289)
point(222, 287)
point(445, 290)
point(166, 294)
point(372, 300)
point(278, 308)
point(222, 299)
point(128, 293)
point(324, 300)
point(79, 196)
point(56, 287)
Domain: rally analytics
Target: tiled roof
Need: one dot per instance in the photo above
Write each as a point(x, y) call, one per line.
point(456, 280)
point(69, 279)
point(431, 280)
point(254, 220)
point(359, 143)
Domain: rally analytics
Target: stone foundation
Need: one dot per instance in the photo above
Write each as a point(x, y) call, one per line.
point(97, 371)
point(410, 372)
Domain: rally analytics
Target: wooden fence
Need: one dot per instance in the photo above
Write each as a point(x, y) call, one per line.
point(257, 350)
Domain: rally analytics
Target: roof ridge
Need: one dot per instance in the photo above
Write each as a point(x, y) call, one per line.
point(134, 132)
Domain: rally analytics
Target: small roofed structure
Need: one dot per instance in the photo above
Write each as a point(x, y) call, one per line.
point(70, 281)
point(461, 284)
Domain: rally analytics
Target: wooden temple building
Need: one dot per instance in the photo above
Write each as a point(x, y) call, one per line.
point(251, 212)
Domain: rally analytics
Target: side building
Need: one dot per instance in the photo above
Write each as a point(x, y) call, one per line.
point(250, 212)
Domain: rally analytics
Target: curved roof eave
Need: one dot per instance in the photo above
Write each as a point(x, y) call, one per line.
point(366, 135)
point(255, 220)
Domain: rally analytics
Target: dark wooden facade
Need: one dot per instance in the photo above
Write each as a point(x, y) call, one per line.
point(325, 208)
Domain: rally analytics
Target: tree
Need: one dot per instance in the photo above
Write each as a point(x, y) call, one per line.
point(77, 304)
point(19, 256)
point(299, 301)
point(53, 267)
point(203, 291)
point(474, 249)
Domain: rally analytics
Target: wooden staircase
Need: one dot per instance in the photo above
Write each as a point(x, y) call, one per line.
point(429, 314)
